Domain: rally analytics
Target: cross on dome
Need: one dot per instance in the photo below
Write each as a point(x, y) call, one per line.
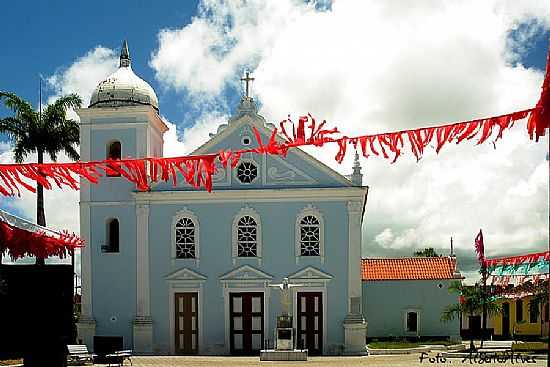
point(247, 79)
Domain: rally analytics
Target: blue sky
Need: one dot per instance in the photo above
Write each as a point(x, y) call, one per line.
point(365, 66)
point(51, 35)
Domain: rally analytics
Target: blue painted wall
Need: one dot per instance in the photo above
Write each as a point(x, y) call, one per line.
point(114, 275)
point(385, 303)
point(278, 222)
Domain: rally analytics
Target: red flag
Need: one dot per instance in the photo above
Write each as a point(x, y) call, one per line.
point(480, 248)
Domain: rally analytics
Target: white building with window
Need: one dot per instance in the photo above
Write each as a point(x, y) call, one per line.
point(176, 270)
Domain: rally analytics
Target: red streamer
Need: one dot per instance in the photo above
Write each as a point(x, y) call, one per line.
point(480, 249)
point(539, 121)
point(19, 243)
point(197, 171)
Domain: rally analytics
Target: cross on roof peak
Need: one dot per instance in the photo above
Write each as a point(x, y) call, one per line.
point(247, 79)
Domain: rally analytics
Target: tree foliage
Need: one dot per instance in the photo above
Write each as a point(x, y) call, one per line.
point(47, 132)
point(471, 299)
point(427, 252)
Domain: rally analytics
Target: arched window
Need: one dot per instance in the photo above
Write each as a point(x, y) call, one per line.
point(112, 236)
point(114, 153)
point(310, 236)
point(185, 238)
point(247, 235)
point(185, 235)
point(114, 150)
point(310, 233)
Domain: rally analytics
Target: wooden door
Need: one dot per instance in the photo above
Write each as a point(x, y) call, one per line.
point(310, 322)
point(187, 323)
point(246, 312)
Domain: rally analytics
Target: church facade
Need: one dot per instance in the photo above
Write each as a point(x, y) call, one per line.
point(176, 270)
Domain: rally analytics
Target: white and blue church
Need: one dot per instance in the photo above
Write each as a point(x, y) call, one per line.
point(178, 270)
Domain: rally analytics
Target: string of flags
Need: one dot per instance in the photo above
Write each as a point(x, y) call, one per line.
point(20, 238)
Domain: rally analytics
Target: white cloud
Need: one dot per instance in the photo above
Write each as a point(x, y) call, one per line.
point(84, 74)
point(371, 66)
point(177, 144)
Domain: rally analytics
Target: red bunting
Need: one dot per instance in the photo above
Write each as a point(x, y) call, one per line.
point(539, 120)
point(197, 171)
point(19, 243)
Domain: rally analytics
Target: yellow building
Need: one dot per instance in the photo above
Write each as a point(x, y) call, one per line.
point(517, 320)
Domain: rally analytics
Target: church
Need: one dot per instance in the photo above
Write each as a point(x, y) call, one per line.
point(179, 270)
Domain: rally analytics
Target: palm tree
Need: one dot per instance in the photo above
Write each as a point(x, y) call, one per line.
point(471, 303)
point(48, 132)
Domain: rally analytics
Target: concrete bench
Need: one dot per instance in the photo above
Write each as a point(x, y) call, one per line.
point(496, 346)
point(118, 357)
point(78, 354)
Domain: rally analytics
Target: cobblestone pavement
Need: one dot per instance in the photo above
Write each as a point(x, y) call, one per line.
point(374, 361)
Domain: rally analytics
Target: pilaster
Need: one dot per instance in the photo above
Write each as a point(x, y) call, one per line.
point(86, 322)
point(355, 326)
point(143, 324)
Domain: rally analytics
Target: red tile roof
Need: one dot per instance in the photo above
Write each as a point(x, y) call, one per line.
point(409, 268)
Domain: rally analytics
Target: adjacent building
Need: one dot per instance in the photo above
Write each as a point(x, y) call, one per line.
point(405, 297)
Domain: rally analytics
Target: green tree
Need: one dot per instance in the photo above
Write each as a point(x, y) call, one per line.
point(471, 299)
point(427, 252)
point(47, 132)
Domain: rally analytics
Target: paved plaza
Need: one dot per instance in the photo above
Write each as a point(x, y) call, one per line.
point(396, 360)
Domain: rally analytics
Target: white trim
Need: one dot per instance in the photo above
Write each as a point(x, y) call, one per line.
point(86, 262)
point(313, 211)
point(246, 211)
point(265, 195)
point(185, 286)
point(186, 213)
point(310, 275)
point(245, 274)
point(185, 275)
point(108, 203)
point(143, 306)
point(151, 114)
point(269, 175)
point(313, 280)
point(355, 213)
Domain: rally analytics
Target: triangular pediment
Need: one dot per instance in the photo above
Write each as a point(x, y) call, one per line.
point(245, 272)
point(185, 274)
point(310, 273)
point(297, 168)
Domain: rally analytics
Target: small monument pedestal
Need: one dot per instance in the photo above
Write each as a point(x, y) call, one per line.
point(284, 343)
point(284, 333)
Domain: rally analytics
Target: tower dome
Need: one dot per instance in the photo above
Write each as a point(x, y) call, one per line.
point(123, 87)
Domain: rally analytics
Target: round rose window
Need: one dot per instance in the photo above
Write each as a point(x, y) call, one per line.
point(247, 172)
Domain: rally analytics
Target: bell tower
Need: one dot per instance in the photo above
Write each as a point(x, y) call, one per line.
point(121, 121)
